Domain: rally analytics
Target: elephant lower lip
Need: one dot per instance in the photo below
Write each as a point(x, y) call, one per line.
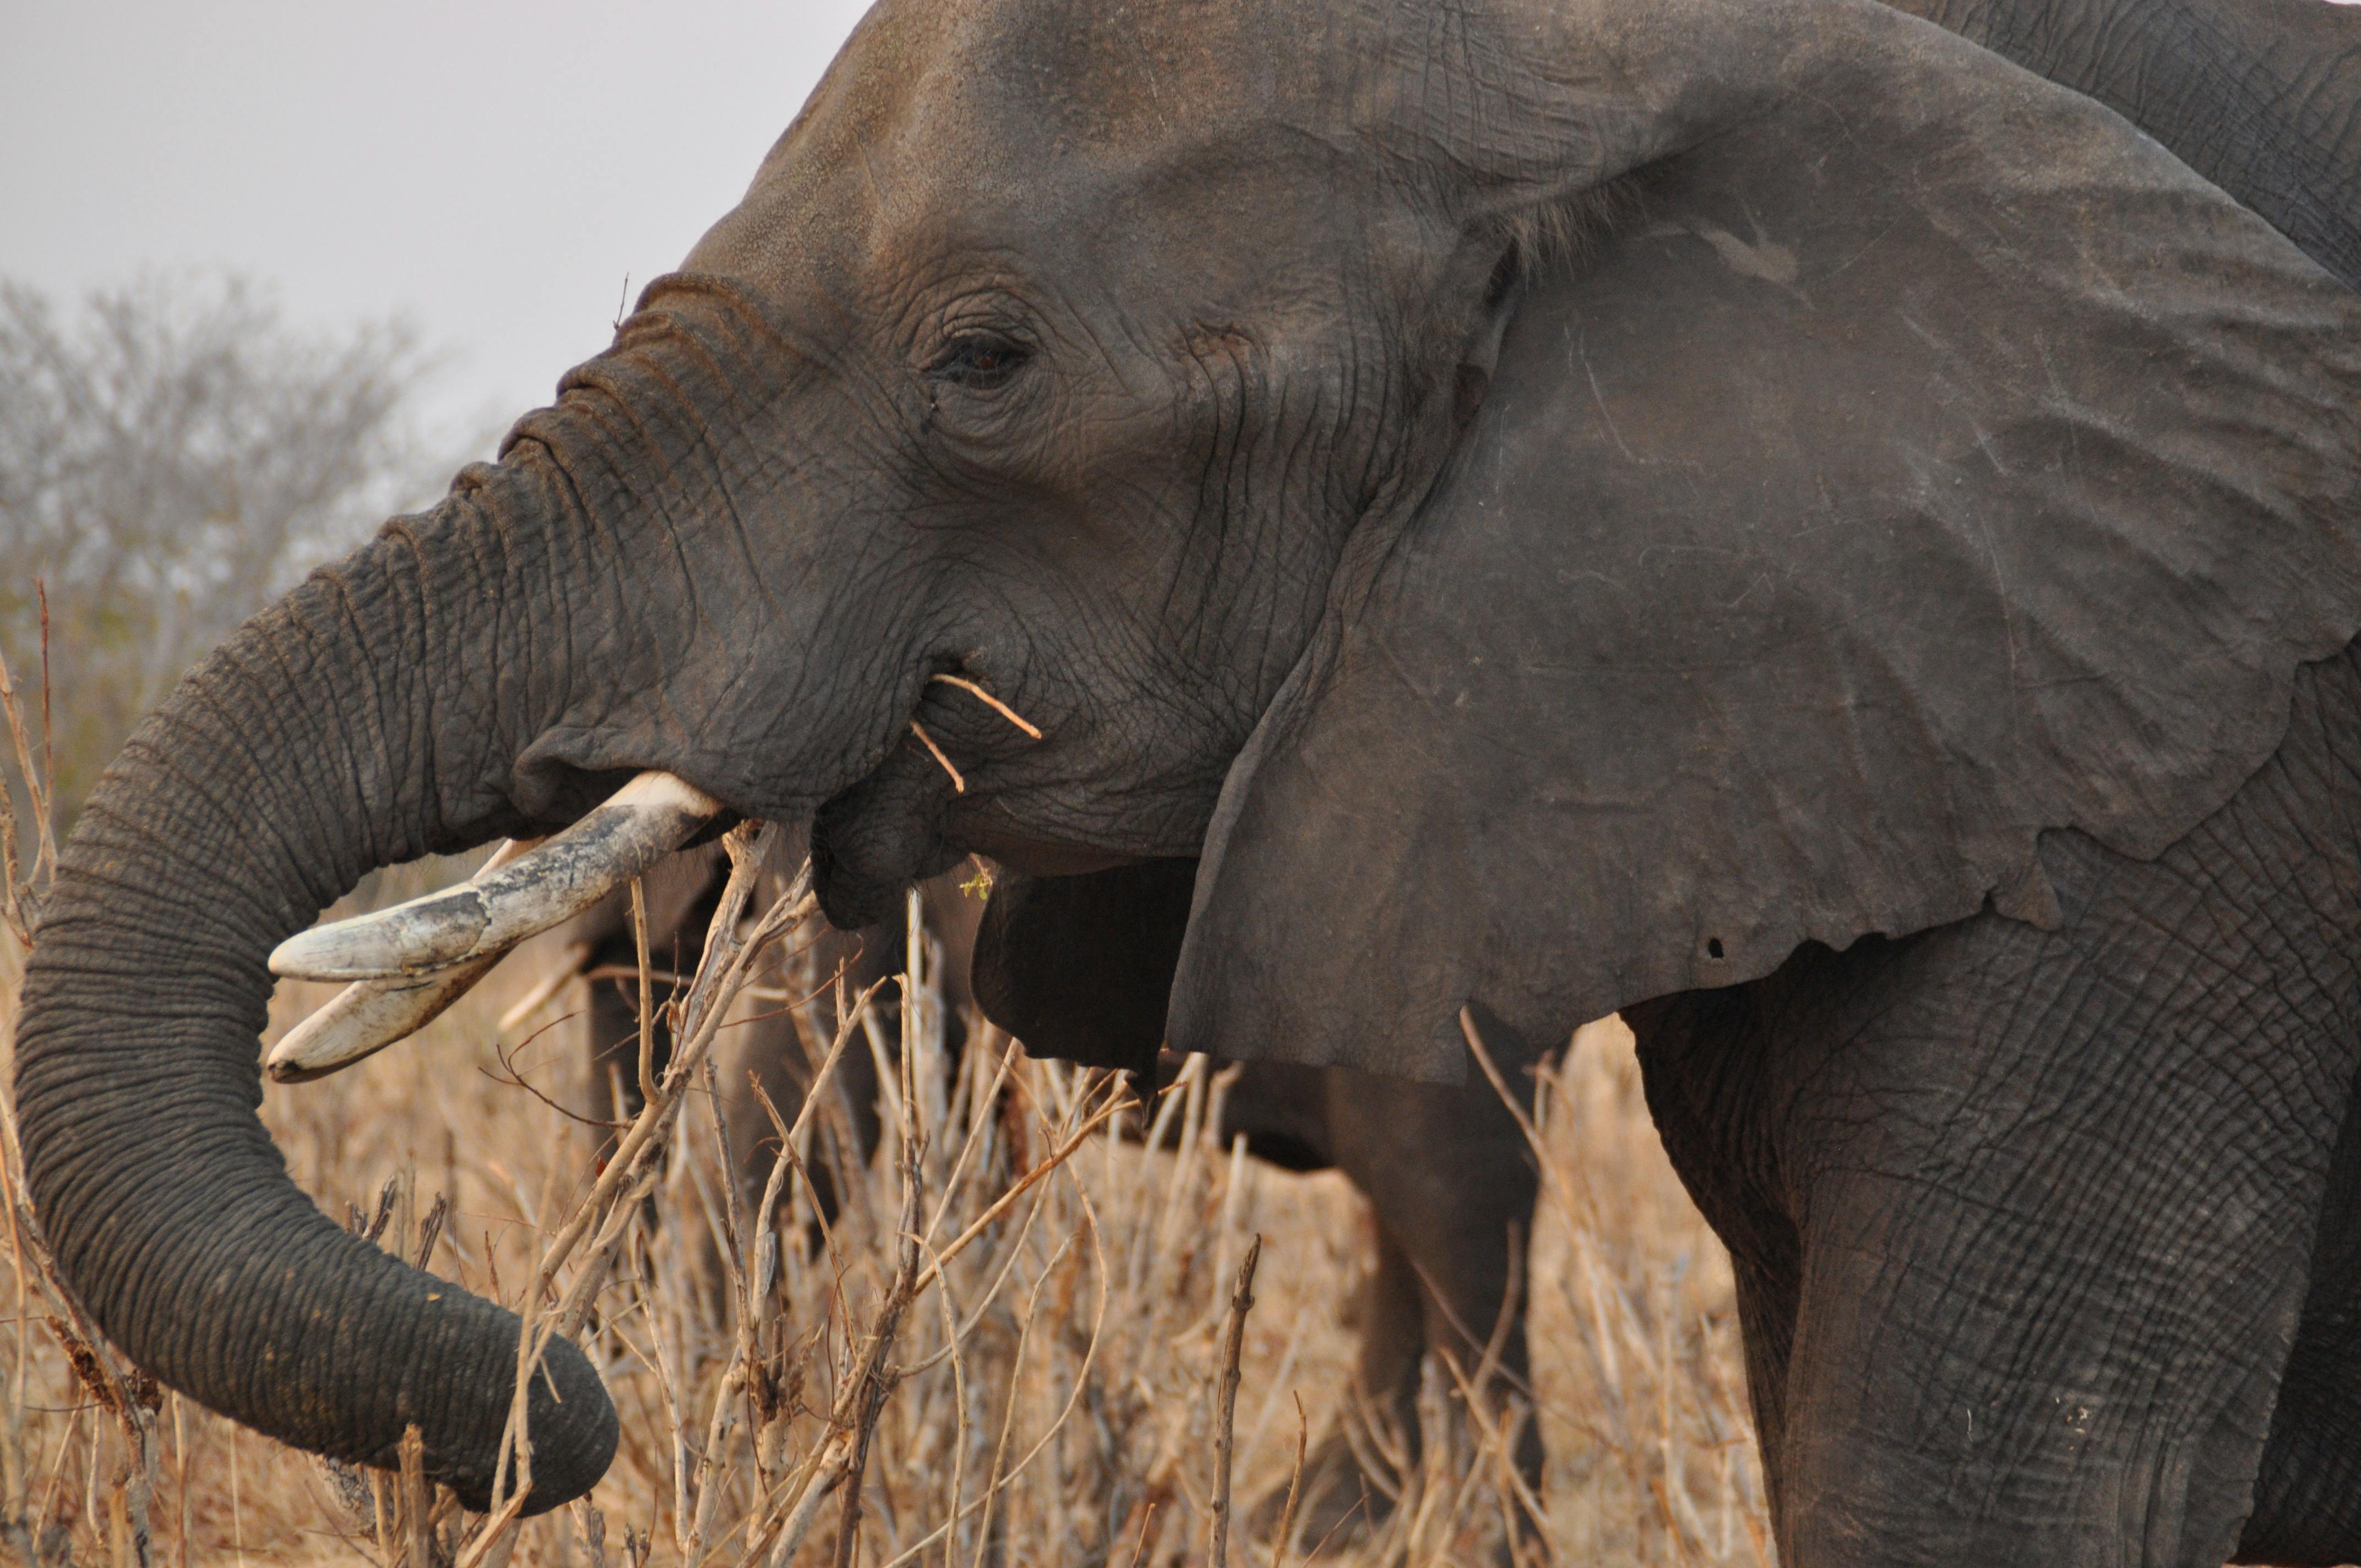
point(1035, 857)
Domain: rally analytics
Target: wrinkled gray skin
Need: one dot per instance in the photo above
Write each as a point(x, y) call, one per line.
point(1917, 508)
point(1450, 1181)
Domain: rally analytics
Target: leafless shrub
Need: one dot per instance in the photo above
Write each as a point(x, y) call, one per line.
point(1017, 1339)
point(174, 455)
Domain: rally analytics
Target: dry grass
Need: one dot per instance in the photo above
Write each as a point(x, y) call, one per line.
point(1051, 1390)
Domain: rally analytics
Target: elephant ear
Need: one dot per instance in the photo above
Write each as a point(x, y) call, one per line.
point(1930, 463)
point(1080, 967)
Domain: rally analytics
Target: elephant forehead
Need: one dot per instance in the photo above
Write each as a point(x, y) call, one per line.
point(938, 108)
point(1075, 69)
point(984, 119)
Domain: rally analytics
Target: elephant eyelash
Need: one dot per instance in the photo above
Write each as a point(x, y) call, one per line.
point(980, 361)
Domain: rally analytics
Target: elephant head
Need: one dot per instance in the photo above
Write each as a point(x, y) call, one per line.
point(1555, 502)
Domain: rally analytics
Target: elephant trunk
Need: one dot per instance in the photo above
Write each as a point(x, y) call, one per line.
point(373, 716)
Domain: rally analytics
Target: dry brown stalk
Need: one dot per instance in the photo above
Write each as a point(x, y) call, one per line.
point(647, 992)
point(129, 1395)
point(611, 971)
point(638, 1157)
point(990, 701)
point(723, 1415)
point(978, 1130)
point(1005, 1475)
point(1072, 1424)
point(1551, 1170)
point(1284, 1542)
point(560, 968)
point(418, 1542)
point(997, 1479)
point(1065, 1151)
point(24, 890)
point(1233, 1343)
point(875, 1382)
point(1139, 1553)
point(967, 1326)
point(728, 956)
point(843, 1458)
point(948, 1301)
point(48, 732)
point(959, 784)
point(1497, 1437)
point(491, 1546)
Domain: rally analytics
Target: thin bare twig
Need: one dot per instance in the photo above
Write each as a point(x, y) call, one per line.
point(875, 1382)
point(1105, 1113)
point(1233, 1343)
point(1285, 1541)
point(958, 784)
point(24, 890)
point(989, 700)
point(562, 967)
point(647, 993)
point(636, 1163)
point(1139, 1553)
point(418, 1549)
point(48, 821)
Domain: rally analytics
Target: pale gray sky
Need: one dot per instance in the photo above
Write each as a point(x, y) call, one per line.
point(492, 168)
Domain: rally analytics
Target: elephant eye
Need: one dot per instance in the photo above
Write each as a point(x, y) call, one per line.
point(979, 361)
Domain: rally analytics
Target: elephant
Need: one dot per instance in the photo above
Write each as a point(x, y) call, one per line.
point(1767, 514)
point(1445, 1168)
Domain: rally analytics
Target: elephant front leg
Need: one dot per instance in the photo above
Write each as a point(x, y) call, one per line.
point(1450, 1184)
point(2024, 1222)
point(1352, 1479)
point(1451, 1187)
point(2307, 1498)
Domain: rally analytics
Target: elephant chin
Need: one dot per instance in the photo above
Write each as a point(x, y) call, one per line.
point(888, 832)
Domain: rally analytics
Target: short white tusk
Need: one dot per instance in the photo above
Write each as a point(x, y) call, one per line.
point(366, 1016)
point(370, 1014)
point(638, 826)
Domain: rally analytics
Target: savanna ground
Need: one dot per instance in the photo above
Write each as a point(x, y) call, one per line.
point(1046, 1362)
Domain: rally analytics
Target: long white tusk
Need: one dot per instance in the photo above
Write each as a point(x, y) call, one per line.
point(638, 826)
point(370, 1014)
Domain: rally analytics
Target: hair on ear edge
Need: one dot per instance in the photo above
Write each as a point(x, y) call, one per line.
point(1564, 229)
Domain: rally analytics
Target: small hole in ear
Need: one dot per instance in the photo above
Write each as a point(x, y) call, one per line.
point(1713, 946)
point(1503, 279)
